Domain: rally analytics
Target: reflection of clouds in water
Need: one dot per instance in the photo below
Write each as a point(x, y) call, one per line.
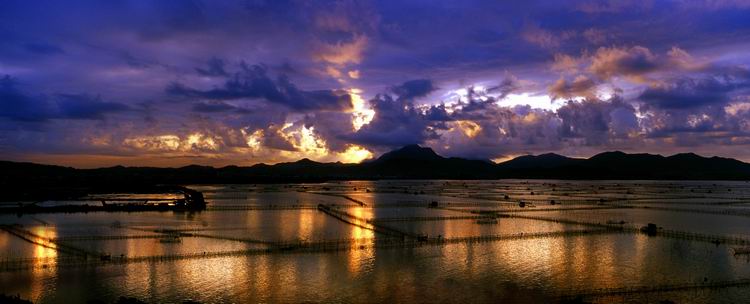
point(412, 274)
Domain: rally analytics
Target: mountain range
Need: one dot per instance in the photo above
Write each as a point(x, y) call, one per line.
point(409, 162)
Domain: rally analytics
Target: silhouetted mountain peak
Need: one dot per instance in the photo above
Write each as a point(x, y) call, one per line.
point(410, 152)
point(302, 163)
point(22, 181)
point(547, 160)
point(617, 156)
point(609, 154)
point(687, 156)
point(194, 167)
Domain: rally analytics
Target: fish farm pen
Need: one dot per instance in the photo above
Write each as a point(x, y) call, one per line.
point(388, 216)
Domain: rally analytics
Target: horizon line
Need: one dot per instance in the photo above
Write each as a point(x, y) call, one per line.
point(510, 158)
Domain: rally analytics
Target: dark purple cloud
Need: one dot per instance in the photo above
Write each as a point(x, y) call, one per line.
point(580, 86)
point(397, 123)
point(413, 89)
point(213, 106)
point(597, 121)
point(253, 82)
point(214, 68)
point(18, 105)
point(690, 92)
point(167, 80)
point(82, 106)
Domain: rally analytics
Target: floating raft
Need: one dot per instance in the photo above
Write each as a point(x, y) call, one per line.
point(192, 201)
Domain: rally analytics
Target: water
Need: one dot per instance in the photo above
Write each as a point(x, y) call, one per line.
point(222, 260)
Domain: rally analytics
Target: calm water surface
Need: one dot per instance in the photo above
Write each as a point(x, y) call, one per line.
point(538, 255)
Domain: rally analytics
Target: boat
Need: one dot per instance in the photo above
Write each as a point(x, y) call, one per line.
point(171, 239)
point(650, 229)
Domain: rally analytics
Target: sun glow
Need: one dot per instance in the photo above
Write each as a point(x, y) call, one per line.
point(355, 154)
point(535, 101)
point(505, 158)
point(469, 128)
point(254, 140)
point(173, 143)
point(155, 143)
point(361, 114)
point(202, 142)
point(305, 141)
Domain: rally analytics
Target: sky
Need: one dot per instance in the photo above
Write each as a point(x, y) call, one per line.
point(173, 83)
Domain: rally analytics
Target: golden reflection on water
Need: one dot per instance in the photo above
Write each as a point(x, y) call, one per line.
point(639, 247)
point(552, 263)
point(4, 239)
point(260, 277)
point(592, 261)
point(4, 242)
point(44, 233)
point(44, 264)
point(359, 258)
point(306, 225)
point(589, 259)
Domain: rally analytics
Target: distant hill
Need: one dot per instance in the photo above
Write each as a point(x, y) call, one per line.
point(410, 152)
point(620, 165)
point(549, 160)
point(27, 180)
point(413, 161)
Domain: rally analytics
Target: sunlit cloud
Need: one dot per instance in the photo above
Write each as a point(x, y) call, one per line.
point(540, 101)
point(469, 128)
point(354, 154)
point(340, 79)
point(192, 142)
point(342, 53)
point(305, 141)
point(155, 143)
point(254, 140)
point(202, 142)
point(362, 114)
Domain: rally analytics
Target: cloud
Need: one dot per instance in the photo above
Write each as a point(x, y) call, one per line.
point(694, 92)
point(214, 68)
point(413, 89)
point(213, 106)
point(623, 121)
point(670, 59)
point(568, 64)
point(19, 106)
point(501, 130)
point(333, 126)
point(581, 86)
point(595, 36)
point(545, 38)
point(632, 62)
point(341, 53)
point(397, 122)
point(84, 106)
point(508, 85)
point(253, 82)
point(597, 121)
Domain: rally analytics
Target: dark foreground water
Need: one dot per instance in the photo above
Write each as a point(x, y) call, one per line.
point(261, 243)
